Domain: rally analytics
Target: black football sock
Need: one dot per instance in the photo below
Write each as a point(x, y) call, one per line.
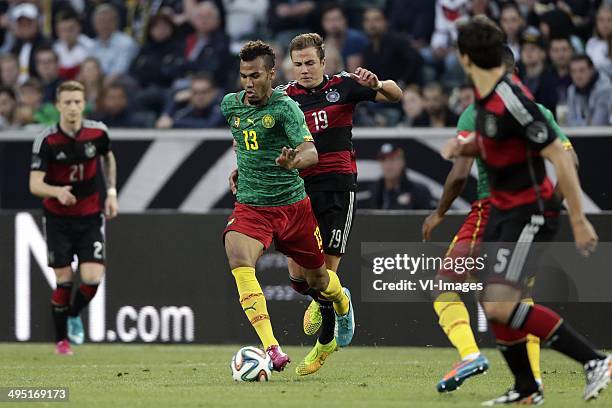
point(82, 298)
point(518, 362)
point(567, 341)
point(60, 303)
point(328, 324)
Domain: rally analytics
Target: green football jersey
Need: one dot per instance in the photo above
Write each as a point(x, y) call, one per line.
point(260, 133)
point(467, 124)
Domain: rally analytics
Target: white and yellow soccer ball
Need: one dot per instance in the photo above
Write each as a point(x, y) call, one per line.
point(251, 364)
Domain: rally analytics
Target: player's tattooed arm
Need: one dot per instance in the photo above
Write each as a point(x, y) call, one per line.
point(454, 185)
point(569, 184)
point(386, 91)
point(304, 156)
point(109, 166)
point(39, 188)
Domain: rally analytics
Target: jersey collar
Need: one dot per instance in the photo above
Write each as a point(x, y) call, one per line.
point(68, 135)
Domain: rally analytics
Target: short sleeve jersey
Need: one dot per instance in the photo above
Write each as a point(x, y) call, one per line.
point(260, 133)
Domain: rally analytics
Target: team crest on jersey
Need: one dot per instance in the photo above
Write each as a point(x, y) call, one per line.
point(90, 150)
point(268, 121)
point(332, 96)
point(236, 121)
point(490, 125)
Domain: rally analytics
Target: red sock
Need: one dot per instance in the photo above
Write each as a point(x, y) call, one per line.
point(541, 321)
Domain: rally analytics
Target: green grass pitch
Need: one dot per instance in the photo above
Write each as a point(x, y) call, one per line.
point(199, 376)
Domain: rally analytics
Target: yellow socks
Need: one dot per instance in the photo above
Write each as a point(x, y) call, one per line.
point(334, 293)
point(533, 350)
point(455, 321)
point(254, 304)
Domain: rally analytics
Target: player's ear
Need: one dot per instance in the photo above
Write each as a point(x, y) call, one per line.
point(272, 73)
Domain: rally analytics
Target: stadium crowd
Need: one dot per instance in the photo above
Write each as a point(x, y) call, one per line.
point(167, 63)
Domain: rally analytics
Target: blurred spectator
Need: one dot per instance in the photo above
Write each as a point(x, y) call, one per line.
point(9, 70)
point(354, 10)
point(159, 56)
point(333, 61)
point(92, 77)
point(441, 53)
point(512, 23)
point(351, 43)
point(157, 62)
point(415, 18)
point(599, 47)
point(412, 106)
point(31, 108)
point(8, 103)
point(71, 46)
point(201, 111)
point(394, 190)
point(560, 52)
point(435, 102)
point(389, 54)
point(589, 98)
point(114, 109)
point(207, 50)
point(243, 19)
point(47, 68)
point(114, 49)
point(287, 18)
point(28, 38)
point(555, 24)
point(489, 8)
point(4, 26)
point(465, 97)
point(534, 72)
point(88, 9)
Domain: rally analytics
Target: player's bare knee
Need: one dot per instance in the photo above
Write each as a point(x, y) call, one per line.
point(63, 275)
point(318, 279)
point(499, 312)
point(91, 273)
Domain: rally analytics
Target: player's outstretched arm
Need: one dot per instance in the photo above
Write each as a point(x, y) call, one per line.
point(386, 91)
point(584, 233)
point(109, 167)
point(304, 156)
point(454, 185)
point(39, 188)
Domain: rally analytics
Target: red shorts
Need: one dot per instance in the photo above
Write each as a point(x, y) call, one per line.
point(293, 228)
point(467, 241)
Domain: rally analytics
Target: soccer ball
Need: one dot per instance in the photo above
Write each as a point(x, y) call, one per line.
point(251, 364)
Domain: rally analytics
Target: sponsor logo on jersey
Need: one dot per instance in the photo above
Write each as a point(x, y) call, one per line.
point(230, 222)
point(268, 121)
point(251, 121)
point(60, 156)
point(90, 150)
point(332, 96)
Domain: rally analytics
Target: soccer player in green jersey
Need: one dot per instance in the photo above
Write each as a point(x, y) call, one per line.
point(272, 143)
point(453, 315)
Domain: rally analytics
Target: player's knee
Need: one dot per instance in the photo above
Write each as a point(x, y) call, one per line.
point(318, 279)
point(63, 275)
point(499, 312)
point(92, 273)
